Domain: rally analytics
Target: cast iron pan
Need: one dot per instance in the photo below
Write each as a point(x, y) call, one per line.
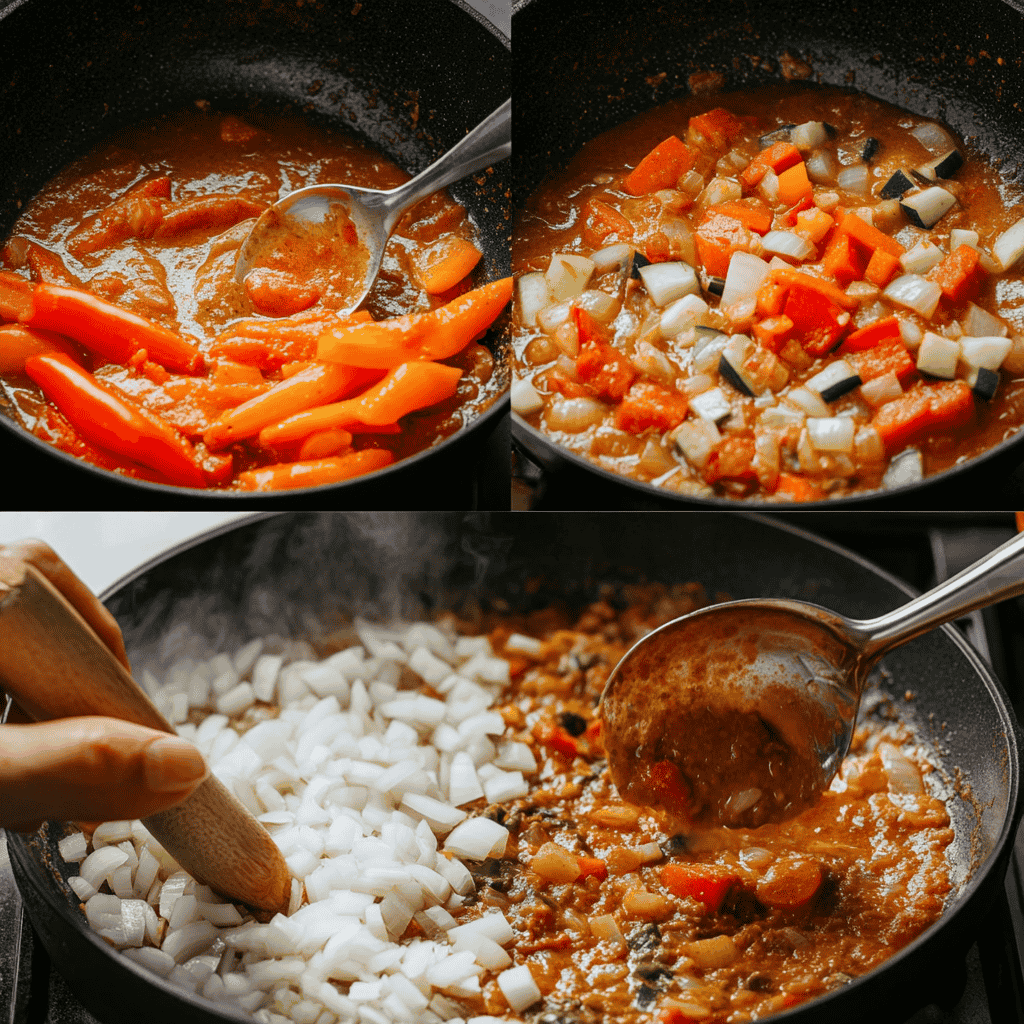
point(591, 67)
point(411, 79)
point(246, 580)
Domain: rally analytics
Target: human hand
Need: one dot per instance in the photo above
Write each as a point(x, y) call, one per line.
point(92, 768)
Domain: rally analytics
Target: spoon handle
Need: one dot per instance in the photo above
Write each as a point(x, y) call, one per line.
point(996, 577)
point(55, 666)
point(489, 142)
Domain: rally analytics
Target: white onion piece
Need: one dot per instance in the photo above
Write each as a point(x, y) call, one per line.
point(692, 183)
point(600, 305)
point(606, 929)
point(904, 776)
point(822, 167)
point(831, 433)
point(881, 389)
point(781, 416)
point(574, 414)
point(962, 236)
point(809, 135)
point(720, 190)
point(534, 294)
point(921, 258)
point(682, 314)
point(856, 179)
point(986, 352)
point(711, 405)
point(979, 323)
point(938, 356)
point(550, 318)
point(477, 839)
point(73, 848)
point(611, 257)
point(526, 399)
point(567, 275)
point(666, 282)
point(787, 243)
point(933, 138)
point(916, 293)
point(905, 468)
point(807, 401)
point(1009, 246)
point(519, 988)
point(101, 864)
point(707, 351)
point(696, 439)
point(746, 274)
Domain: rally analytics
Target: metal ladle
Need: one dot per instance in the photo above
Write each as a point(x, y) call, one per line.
point(741, 713)
point(375, 213)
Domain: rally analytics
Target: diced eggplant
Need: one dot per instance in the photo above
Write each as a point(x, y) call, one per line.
point(639, 262)
point(984, 383)
point(715, 285)
point(836, 380)
point(905, 468)
point(707, 347)
point(780, 134)
point(711, 405)
point(809, 135)
point(856, 178)
point(927, 208)
point(932, 137)
point(730, 373)
point(944, 166)
point(870, 150)
point(899, 184)
point(938, 356)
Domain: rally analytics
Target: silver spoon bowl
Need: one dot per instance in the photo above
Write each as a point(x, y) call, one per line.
point(375, 213)
point(741, 713)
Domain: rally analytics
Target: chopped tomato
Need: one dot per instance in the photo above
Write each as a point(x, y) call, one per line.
point(648, 404)
point(706, 883)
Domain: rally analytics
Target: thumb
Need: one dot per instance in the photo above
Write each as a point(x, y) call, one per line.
point(91, 769)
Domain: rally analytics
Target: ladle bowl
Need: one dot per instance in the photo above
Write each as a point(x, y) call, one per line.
point(741, 713)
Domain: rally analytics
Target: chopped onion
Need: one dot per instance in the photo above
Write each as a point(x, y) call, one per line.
point(612, 257)
point(905, 468)
point(807, 401)
point(921, 258)
point(600, 305)
point(831, 433)
point(568, 274)
point(979, 323)
point(916, 293)
point(711, 405)
point(986, 352)
point(787, 243)
point(682, 314)
point(932, 137)
point(666, 282)
point(1009, 246)
point(881, 389)
point(696, 439)
point(550, 318)
point(720, 190)
point(809, 135)
point(518, 988)
point(534, 295)
point(938, 356)
point(962, 236)
point(856, 179)
point(746, 275)
point(822, 167)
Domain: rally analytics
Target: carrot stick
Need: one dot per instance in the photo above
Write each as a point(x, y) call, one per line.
point(446, 263)
point(406, 388)
point(19, 343)
point(317, 384)
point(324, 443)
point(288, 475)
point(109, 420)
point(437, 334)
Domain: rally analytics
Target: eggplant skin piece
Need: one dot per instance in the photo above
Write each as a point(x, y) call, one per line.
point(870, 151)
point(639, 260)
point(944, 166)
point(780, 134)
point(927, 208)
point(841, 388)
point(984, 383)
point(715, 286)
point(730, 373)
point(899, 184)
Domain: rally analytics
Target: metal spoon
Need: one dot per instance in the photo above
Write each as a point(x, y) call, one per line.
point(375, 213)
point(741, 713)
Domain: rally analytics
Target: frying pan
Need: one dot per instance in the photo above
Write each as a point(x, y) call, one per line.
point(232, 584)
point(937, 59)
point(410, 79)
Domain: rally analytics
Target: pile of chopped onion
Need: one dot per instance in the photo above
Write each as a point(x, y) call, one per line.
point(360, 765)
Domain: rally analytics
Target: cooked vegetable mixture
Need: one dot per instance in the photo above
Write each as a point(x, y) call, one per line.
point(794, 296)
point(126, 341)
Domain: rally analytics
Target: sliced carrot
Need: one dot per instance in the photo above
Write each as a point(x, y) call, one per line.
point(648, 404)
point(750, 212)
point(813, 224)
point(405, 389)
point(843, 260)
point(316, 385)
point(778, 157)
point(558, 382)
point(789, 276)
point(773, 331)
point(661, 168)
point(959, 275)
point(18, 343)
point(325, 443)
point(708, 884)
point(798, 488)
point(794, 184)
point(279, 292)
point(601, 221)
point(790, 883)
point(819, 311)
point(718, 128)
point(316, 473)
point(437, 334)
point(788, 218)
point(881, 268)
point(446, 263)
point(869, 236)
point(717, 238)
point(871, 334)
point(592, 866)
point(945, 406)
point(887, 354)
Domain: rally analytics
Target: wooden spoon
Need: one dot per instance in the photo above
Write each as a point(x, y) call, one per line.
point(55, 666)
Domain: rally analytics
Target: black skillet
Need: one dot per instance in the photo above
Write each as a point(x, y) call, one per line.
point(241, 581)
point(410, 78)
point(586, 68)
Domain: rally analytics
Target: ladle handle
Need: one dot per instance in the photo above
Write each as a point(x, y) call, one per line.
point(55, 666)
point(996, 577)
point(489, 142)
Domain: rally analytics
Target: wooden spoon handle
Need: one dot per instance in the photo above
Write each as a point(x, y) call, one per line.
point(55, 666)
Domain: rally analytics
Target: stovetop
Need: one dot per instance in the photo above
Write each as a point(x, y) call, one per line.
point(987, 988)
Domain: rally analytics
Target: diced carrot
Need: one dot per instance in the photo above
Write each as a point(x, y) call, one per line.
point(750, 212)
point(661, 168)
point(871, 334)
point(732, 460)
point(794, 184)
point(818, 321)
point(791, 277)
point(18, 343)
point(790, 883)
point(446, 263)
point(279, 292)
point(664, 783)
point(798, 488)
point(869, 236)
point(316, 473)
point(325, 443)
point(214, 210)
point(717, 238)
point(813, 224)
point(773, 331)
point(592, 866)
point(434, 335)
point(788, 218)
point(881, 268)
point(959, 275)
point(718, 128)
point(842, 260)
point(587, 328)
point(771, 297)
point(706, 883)
point(673, 1015)
point(887, 354)
point(944, 406)
point(648, 404)
point(778, 157)
point(601, 221)
point(607, 372)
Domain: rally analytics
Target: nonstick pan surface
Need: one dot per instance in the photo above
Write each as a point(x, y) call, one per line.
point(271, 574)
point(591, 67)
point(410, 79)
